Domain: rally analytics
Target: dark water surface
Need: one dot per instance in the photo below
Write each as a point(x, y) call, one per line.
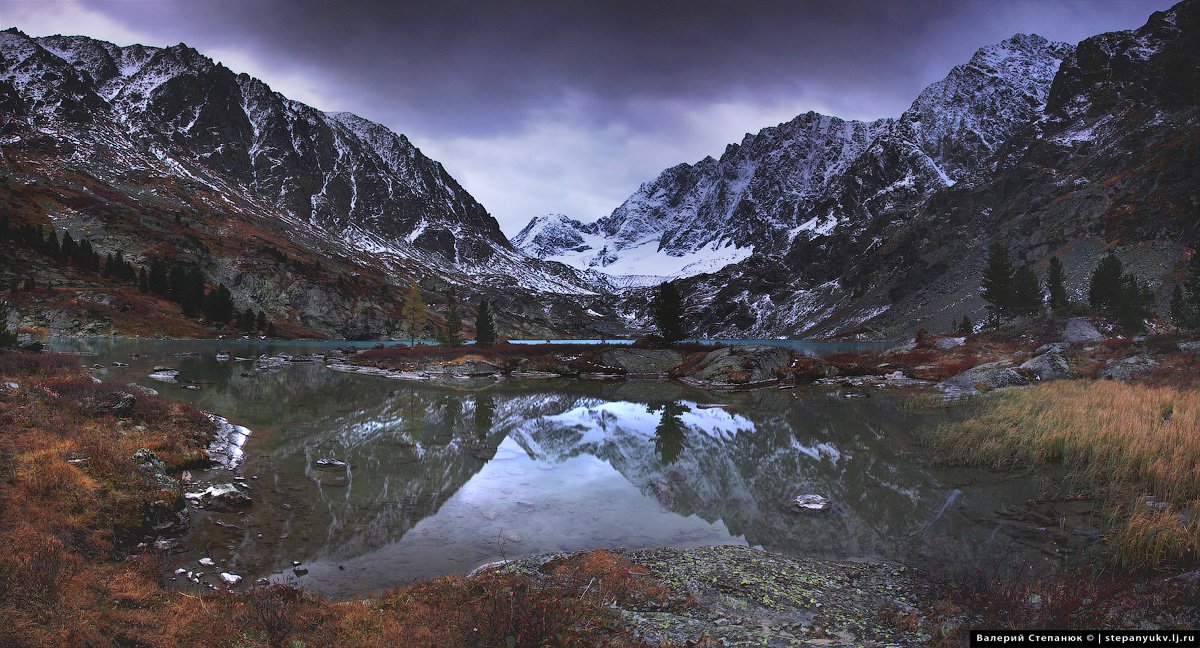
point(442, 479)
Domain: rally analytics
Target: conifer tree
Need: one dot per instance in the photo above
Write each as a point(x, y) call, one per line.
point(68, 248)
point(998, 280)
point(159, 281)
point(218, 305)
point(1056, 286)
point(666, 308)
point(271, 332)
point(261, 322)
point(966, 327)
point(1180, 313)
point(413, 313)
point(110, 266)
point(1027, 297)
point(193, 292)
point(52, 248)
point(485, 325)
point(1133, 305)
point(453, 334)
point(143, 280)
point(7, 337)
point(1105, 289)
point(1191, 282)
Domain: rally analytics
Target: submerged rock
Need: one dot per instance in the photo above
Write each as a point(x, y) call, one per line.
point(221, 496)
point(165, 374)
point(330, 464)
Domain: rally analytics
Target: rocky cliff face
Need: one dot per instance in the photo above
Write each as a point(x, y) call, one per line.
point(1109, 162)
point(805, 177)
point(161, 152)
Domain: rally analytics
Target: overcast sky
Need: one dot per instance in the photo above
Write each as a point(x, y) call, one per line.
point(568, 105)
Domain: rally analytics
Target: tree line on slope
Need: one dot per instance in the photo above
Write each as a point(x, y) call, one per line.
point(183, 285)
point(1014, 291)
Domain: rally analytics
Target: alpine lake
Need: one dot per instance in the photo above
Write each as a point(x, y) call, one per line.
point(434, 479)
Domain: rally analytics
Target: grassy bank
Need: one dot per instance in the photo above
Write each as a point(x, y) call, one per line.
point(1136, 448)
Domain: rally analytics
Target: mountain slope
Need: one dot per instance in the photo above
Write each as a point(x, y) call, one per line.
point(1109, 163)
point(207, 167)
point(804, 177)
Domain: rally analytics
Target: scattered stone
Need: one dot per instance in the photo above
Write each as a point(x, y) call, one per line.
point(117, 403)
point(299, 571)
point(1059, 347)
point(949, 343)
point(1047, 366)
point(1190, 347)
point(155, 469)
point(992, 375)
point(1079, 331)
point(230, 579)
point(143, 390)
point(207, 562)
point(221, 496)
point(1127, 369)
point(12, 386)
point(222, 357)
point(810, 503)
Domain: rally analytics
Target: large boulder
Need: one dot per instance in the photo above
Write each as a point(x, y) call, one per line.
point(1190, 347)
point(947, 343)
point(1080, 331)
point(740, 367)
point(1128, 369)
point(467, 366)
point(642, 362)
point(992, 375)
point(1047, 366)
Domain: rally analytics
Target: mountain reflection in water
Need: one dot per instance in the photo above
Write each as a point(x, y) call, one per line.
point(442, 479)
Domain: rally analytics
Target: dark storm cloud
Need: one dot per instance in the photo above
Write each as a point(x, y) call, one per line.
point(471, 78)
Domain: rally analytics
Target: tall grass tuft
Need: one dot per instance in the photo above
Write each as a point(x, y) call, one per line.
point(1135, 448)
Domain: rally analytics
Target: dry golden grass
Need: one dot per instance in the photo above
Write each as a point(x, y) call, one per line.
point(1122, 443)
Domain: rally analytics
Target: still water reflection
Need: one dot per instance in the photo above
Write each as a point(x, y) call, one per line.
point(441, 479)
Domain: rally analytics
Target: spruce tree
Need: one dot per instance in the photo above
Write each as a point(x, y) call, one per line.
point(1056, 286)
point(52, 248)
point(68, 248)
point(1105, 288)
point(666, 308)
point(260, 323)
point(998, 280)
point(1027, 297)
point(177, 290)
point(966, 327)
point(1191, 282)
point(218, 305)
point(110, 266)
point(143, 280)
point(413, 313)
point(453, 320)
point(7, 337)
point(159, 281)
point(246, 320)
point(1133, 305)
point(1180, 313)
point(193, 292)
point(485, 325)
point(271, 332)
